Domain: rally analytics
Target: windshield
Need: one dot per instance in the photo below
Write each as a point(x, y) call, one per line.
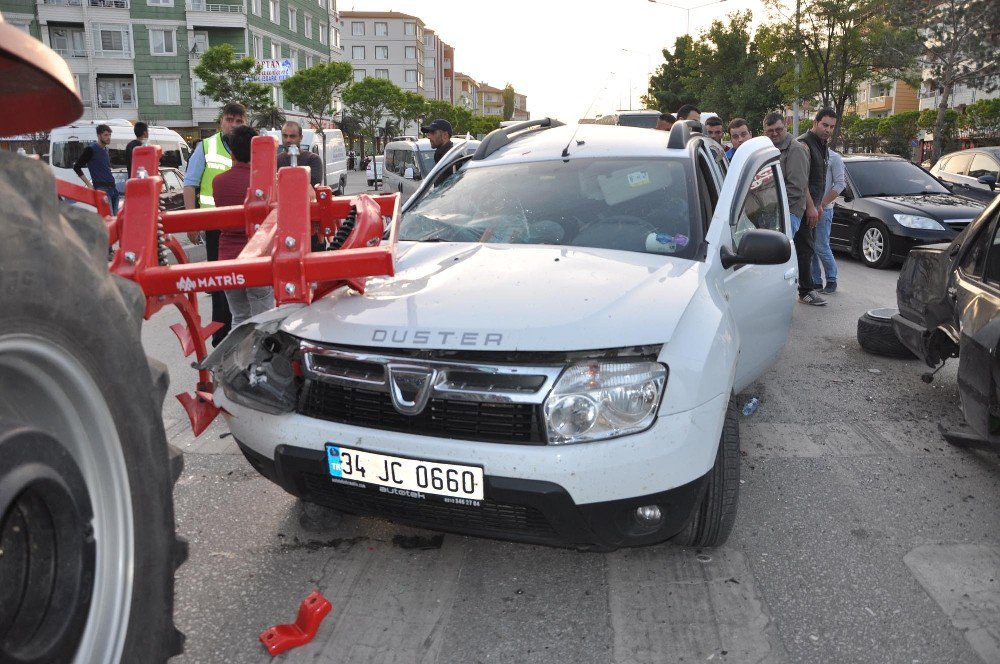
point(426, 160)
point(884, 177)
point(646, 120)
point(65, 153)
point(627, 204)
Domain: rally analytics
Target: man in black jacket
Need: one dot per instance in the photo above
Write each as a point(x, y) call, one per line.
point(141, 136)
point(814, 141)
point(439, 132)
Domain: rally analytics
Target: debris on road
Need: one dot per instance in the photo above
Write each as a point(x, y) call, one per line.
point(280, 638)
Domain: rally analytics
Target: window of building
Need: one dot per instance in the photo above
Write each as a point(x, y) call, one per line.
point(309, 60)
point(381, 52)
point(255, 7)
point(382, 73)
point(420, 79)
point(83, 87)
point(160, 3)
point(430, 62)
point(166, 90)
point(308, 26)
point(322, 33)
point(322, 3)
point(336, 37)
point(198, 42)
point(357, 52)
point(198, 98)
point(293, 19)
point(359, 75)
point(275, 50)
point(428, 40)
point(113, 41)
point(115, 92)
point(411, 53)
point(381, 28)
point(68, 42)
point(163, 41)
point(258, 47)
point(358, 28)
point(410, 76)
point(273, 9)
point(410, 28)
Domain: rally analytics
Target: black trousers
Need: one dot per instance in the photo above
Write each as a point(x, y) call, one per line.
point(805, 247)
point(220, 305)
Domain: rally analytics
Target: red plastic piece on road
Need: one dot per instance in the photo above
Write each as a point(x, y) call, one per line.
point(280, 638)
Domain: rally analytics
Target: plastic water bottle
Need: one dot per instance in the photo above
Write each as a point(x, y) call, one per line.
point(750, 407)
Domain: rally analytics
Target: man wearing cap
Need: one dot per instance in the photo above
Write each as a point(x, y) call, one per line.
point(439, 133)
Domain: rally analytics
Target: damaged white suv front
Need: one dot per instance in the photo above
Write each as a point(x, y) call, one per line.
point(556, 357)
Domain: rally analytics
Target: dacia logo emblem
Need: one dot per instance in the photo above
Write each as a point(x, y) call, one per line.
point(410, 386)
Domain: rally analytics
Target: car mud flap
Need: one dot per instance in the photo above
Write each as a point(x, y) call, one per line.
point(922, 288)
point(979, 374)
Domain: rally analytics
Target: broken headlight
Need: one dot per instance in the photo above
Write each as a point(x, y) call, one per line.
point(256, 368)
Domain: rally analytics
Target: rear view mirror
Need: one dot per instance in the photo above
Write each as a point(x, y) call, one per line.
point(990, 180)
point(758, 246)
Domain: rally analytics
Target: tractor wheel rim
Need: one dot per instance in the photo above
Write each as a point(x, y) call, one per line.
point(873, 245)
point(43, 386)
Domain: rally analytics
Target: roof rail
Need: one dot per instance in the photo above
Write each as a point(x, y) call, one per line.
point(498, 138)
point(681, 133)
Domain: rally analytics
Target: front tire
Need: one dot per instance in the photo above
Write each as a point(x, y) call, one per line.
point(715, 515)
point(86, 476)
point(875, 246)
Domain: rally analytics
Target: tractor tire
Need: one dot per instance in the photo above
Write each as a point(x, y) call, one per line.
point(86, 475)
point(875, 335)
point(715, 515)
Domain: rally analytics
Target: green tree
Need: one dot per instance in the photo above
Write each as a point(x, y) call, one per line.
point(842, 43)
point(408, 108)
point(859, 134)
point(960, 49)
point(369, 101)
point(897, 131)
point(227, 78)
point(982, 120)
point(668, 86)
point(947, 132)
point(313, 89)
point(484, 124)
point(508, 101)
point(270, 117)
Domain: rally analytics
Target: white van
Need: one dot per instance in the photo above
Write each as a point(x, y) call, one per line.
point(408, 161)
point(336, 154)
point(67, 143)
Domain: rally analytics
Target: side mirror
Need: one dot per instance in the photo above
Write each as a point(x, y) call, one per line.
point(947, 185)
point(408, 173)
point(847, 195)
point(990, 180)
point(758, 246)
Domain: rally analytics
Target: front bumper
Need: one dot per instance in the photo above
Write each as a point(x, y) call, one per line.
point(522, 510)
point(904, 238)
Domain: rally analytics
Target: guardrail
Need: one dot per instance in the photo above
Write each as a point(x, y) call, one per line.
point(213, 7)
point(107, 4)
point(71, 52)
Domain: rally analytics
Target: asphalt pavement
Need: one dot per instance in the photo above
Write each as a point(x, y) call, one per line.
point(861, 537)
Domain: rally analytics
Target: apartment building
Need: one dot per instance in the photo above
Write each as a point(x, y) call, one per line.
point(466, 93)
point(490, 100)
point(879, 99)
point(135, 59)
point(439, 75)
point(962, 95)
point(387, 45)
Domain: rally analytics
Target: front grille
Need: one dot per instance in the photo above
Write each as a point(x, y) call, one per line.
point(490, 518)
point(447, 418)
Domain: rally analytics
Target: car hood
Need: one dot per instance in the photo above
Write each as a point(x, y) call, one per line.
point(936, 206)
point(466, 296)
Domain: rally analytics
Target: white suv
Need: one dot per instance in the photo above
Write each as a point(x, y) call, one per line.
point(555, 360)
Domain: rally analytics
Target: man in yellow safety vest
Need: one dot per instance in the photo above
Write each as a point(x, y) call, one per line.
point(211, 157)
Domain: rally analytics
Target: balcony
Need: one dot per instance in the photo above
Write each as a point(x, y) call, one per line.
point(194, 55)
point(880, 103)
point(215, 15)
point(71, 52)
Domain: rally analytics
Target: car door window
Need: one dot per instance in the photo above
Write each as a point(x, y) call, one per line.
point(974, 259)
point(983, 164)
point(958, 164)
point(761, 208)
point(171, 181)
point(992, 272)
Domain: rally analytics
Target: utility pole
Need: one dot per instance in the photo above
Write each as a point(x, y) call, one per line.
point(798, 69)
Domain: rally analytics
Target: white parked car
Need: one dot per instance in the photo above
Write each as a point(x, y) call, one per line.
point(556, 358)
point(374, 170)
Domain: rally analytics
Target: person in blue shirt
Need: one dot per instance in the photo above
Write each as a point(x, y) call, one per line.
point(96, 159)
point(739, 133)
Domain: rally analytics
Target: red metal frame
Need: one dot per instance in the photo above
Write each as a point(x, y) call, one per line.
point(280, 219)
point(280, 638)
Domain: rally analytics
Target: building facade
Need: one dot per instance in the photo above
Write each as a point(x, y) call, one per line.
point(879, 99)
point(387, 45)
point(439, 75)
point(962, 95)
point(466, 93)
point(135, 59)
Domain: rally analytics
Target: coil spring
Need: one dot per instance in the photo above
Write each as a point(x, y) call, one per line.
point(161, 247)
point(345, 230)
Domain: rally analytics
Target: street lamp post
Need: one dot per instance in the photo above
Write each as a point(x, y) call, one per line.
point(687, 30)
point(649, 71)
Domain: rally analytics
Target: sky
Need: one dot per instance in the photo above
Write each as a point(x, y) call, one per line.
point(566, 56)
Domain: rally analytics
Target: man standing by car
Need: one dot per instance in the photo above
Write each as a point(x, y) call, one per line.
point(815, 141)
point(291, 135)
point(96, 159)
point(688, 112)
point(665, 121)
point(141, 136)
point(795, 169)
point(210, 158)
point(713, 129)
point(835, 183)
point(739, 133)
point(439, 132)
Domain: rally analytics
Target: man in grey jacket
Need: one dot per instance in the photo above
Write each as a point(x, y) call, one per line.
point(795, 169)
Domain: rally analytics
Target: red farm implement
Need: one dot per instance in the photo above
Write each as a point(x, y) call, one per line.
point(280, 220)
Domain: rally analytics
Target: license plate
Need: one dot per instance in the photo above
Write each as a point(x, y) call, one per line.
point(400, 473)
